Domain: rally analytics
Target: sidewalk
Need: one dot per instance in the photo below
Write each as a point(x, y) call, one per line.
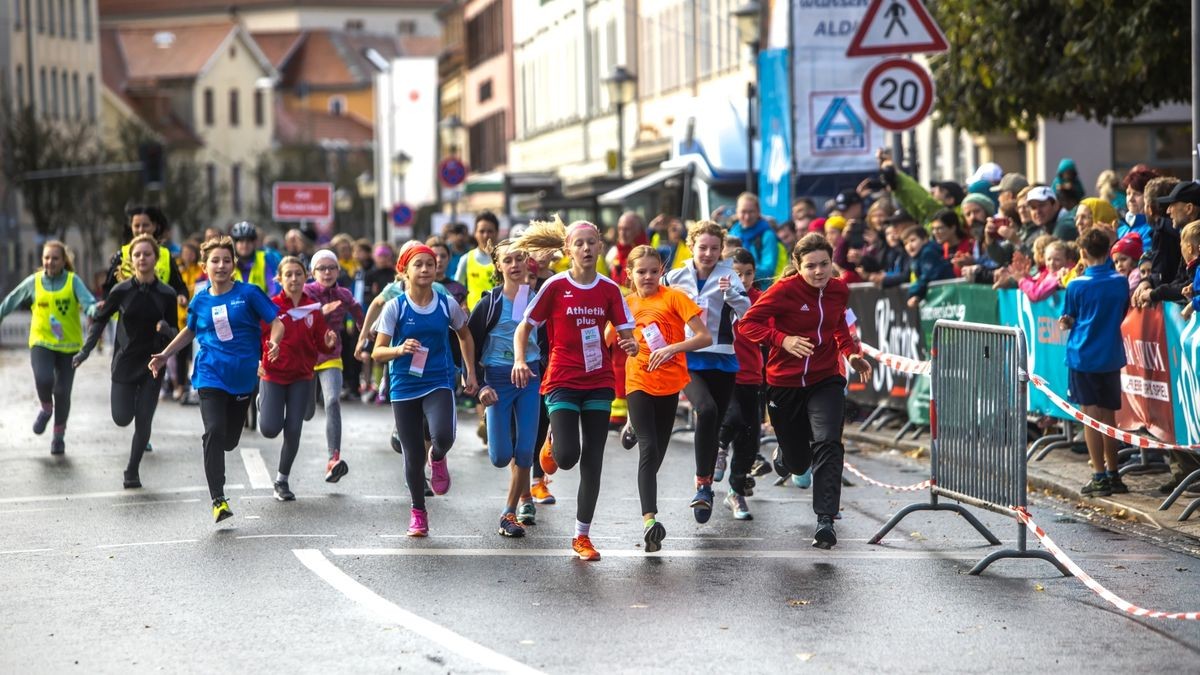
point(1062, 473)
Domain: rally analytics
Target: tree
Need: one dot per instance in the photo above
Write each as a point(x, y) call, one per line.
point(1013, 61)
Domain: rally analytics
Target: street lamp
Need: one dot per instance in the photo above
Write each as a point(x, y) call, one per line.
point(749, 25)
point(451, 130)
point(365, 183)
point(622, 89)
point(400, 163)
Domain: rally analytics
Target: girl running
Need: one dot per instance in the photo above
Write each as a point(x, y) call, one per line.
point(802, 318)
point(741, 425)
point(224, 319)
point(656, 375)
point(512, 412)
point(712, 284)
point(579, 383)
point(148, 319)
point(286, 386)
point(337, 303)
point(55, 334)
point(413, 331)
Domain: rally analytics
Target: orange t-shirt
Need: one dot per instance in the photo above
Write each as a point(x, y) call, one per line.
point(668, 310)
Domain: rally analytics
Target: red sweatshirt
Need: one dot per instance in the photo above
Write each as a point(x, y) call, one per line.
point(303, 339)
point(749, 355)
point(792, 307)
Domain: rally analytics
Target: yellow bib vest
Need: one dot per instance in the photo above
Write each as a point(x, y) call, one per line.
point(56, 324)
point(258, 271)
point(479, 280)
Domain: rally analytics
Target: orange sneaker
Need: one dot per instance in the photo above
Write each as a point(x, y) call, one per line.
point(546, 458)
point(541, 493)
point(584, 549)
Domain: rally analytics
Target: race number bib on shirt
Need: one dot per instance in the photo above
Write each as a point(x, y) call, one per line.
point(220, 317)
point(653, 337)
point(593, 350)
point(417, 367)
point(303, 311)
point(520, 302)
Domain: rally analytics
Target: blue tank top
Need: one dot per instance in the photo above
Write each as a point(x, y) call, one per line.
point(432, 330)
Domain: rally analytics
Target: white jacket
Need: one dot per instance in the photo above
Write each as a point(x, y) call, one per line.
point(720, 308)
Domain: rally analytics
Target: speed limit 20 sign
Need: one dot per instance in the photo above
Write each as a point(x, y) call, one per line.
point(897, 94)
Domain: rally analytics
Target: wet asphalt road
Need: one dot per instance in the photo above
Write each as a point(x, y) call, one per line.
point(101, 579)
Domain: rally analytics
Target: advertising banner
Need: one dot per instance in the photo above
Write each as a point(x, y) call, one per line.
point(957, 300)
point(775, 137)
point(1146, 378)
point(885, 322)
point(1047, 344)
point(1183, 338)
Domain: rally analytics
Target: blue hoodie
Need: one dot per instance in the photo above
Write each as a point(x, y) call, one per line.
point(760, 240)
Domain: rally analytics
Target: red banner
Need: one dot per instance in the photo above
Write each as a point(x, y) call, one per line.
point(1146, 378)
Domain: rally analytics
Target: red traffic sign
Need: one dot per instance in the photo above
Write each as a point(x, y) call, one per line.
point(402, 214)
point(302, 201)
point(902, 27)
point(452, 172)
point(897, 94)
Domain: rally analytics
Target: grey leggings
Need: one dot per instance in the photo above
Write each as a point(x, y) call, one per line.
point(437, 410)
point(53, 376)
point(331, 392)
point(282, 407)
point(136, 402)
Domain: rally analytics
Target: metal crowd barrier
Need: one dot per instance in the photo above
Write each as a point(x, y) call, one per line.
point(978, 430)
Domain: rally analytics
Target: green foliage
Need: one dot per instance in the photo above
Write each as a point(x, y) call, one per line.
point(1013, 61)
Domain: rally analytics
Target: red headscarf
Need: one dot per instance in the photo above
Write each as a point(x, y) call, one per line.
point(407, 255)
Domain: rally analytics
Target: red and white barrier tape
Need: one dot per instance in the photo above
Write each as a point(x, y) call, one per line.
point(899, 363)
point(915, 487)
point(1109, 597)
point(1123, 436)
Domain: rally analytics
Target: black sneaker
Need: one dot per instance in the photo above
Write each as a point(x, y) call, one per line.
point(1101, 487)
point(777, 463)
point(428, 488)
point(825, 537)
point(40, 422)
point(149, 447)
point(58, 446)
point(653, 536)
point(1117, 485)
point(132, 480)
point(760, 467)
point(628, 437)
point(396, 442)
point(283, 493)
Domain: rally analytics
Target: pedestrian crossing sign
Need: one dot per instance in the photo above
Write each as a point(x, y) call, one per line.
point(892, 27)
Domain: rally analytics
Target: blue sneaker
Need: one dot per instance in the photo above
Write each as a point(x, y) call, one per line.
point(722, 464)
point(527, 514)
point(702, 504)
point(803, 481)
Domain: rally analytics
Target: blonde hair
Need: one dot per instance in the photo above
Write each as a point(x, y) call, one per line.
point(288, 260)
point(1107, 185)
point(68, 256)
point(498, 250)
point(703, 227)
point(1191, 234)
point(637, 254)
point(1039, 248)
point(223, 241)
point(543, 237)
point(144, 239)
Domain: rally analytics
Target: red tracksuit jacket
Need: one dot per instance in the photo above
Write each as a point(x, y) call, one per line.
point(303, 339)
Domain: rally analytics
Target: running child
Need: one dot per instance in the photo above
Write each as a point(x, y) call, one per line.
point(740, 428)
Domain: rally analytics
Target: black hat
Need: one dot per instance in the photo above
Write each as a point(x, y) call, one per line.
point(1187, 191)
point(900, 217)
point(845, 199)
point(956, 191)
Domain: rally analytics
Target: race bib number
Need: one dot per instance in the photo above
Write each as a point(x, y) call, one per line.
point(220, 317)
point(520, 302)
point(303, 312)
point(653, 337)
point(417, 367)
point(593, 350)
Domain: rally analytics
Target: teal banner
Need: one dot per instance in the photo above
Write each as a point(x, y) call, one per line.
point(1183, 340)
point(1047, 344)
point(958, 300)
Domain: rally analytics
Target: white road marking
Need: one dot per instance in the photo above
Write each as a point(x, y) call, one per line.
point(150, 543)
point(112, 493)
point(156, 502)
point(807, 554)
point(256, 469)
point(284, 536)
point(392, 613)
point(29, 510)
point(27, 550)
point(434, 536)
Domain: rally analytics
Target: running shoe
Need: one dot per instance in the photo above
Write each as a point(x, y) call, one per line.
point(1117, 485)
point(439, 476)
point(1097, 488)
point(737, 504)
point(509, 527)
point(428, 489)
point(584, 549)
point(132, 480)
point(149, 447)
point(546, 458)
point(628, 437)
point(527, 514)
point(481, 430)
point(221, 509)
point(283, 493)
point(396, 442)
point(825, 537)
point(777, 463)
point(336, 468)
point(702, 503)
point(368, 395)
point(803, 481)
point(722, 464)
point(761, 466)
point(40, 422)
point(541, 492)
point(653, 536)
point(418, 524)
point(58, 446)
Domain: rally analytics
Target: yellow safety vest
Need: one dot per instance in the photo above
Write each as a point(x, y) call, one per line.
point(56, 324)
point(258, 271)
point(162, 269)
point(479, 280)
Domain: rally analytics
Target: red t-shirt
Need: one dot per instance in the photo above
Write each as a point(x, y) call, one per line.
point(574, 317)
point(749, 354)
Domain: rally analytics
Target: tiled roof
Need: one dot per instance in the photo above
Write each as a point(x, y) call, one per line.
point(297, 126)
point(278, 47)
point(174, 52)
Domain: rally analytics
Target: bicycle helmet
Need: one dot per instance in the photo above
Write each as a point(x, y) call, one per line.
point(243, 230)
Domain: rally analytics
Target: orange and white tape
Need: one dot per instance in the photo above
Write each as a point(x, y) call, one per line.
point(915, 487)
point(1112, 432)
point(902, 364)
point(1108, 596)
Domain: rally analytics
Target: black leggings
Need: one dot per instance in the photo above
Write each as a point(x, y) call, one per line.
point(282, 408)
point(136, 402)
point(224, 414)
point(740, 429)
point(579, 439)
point(709, 393)
point(542, 432)
point(652, 417)
point(437, 410)
point(53, 377)
point(808, 423)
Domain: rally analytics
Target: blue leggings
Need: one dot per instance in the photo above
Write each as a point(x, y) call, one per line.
point(521, 406)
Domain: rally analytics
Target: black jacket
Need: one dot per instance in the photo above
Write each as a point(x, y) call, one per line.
point(1168, 271)
point(142, 307)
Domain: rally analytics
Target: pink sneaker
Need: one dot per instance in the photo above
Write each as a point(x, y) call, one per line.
point(439, 478)
point(418, 525)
